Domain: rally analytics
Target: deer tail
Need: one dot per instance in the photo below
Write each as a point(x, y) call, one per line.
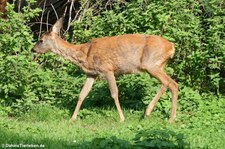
point(172, 51)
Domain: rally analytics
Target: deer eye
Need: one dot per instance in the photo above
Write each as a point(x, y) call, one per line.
point(41, 41)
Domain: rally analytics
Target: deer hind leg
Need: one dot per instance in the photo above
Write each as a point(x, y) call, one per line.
point(84, 92)
point(155, 100)
point(114, 93)
point(166, 82)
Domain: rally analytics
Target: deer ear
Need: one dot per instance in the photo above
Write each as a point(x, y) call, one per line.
point(57, 26)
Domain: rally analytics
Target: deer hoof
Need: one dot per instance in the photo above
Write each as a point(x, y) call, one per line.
point(72, 121)
point(171, 120)
point(122, 120)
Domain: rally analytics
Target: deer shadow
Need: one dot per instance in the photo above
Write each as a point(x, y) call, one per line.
point(132, 91)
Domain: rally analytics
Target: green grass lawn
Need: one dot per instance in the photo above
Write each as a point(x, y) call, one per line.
point(100, 128)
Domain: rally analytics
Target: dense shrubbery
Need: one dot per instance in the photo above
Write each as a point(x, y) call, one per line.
point(196, 27)
point(24, 82)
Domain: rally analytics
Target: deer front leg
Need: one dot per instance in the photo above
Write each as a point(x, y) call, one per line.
point(114, 93)
point(84, 92)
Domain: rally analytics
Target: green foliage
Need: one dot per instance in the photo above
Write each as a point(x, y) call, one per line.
point(15, 36)
point(15, 63)
point(159, 139)
point(195, 27)
point(23, 82)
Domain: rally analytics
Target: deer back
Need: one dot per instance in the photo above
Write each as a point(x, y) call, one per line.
point(127, 53)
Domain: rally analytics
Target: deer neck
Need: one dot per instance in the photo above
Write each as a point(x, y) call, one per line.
point(75, 53)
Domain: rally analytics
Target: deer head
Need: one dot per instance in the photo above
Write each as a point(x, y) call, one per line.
point(45, 42)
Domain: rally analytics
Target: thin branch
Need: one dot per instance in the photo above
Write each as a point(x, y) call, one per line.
point(65, 10)
point(42, 15)
point(47, 20)
point(19, 5)
point(87, 3)
point(34, 23)
point(55, 12)
point(70, 15)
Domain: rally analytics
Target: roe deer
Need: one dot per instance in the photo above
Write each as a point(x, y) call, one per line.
point(129, 53)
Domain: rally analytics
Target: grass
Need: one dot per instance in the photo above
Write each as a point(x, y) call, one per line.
point(100, 128)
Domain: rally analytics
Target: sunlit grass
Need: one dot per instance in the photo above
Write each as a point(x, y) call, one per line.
point(99, 128)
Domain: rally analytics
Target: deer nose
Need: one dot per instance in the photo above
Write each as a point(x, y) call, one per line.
point(34, 55)
point(32, 50)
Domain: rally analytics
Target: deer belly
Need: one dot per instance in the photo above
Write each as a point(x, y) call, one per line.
point(128, 66)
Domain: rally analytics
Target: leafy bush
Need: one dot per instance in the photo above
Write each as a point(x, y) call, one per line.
point(15, 35)
point(155, 139)
point(160, 139)
point(193, 26)
point(23, 82)
point(15, 63)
